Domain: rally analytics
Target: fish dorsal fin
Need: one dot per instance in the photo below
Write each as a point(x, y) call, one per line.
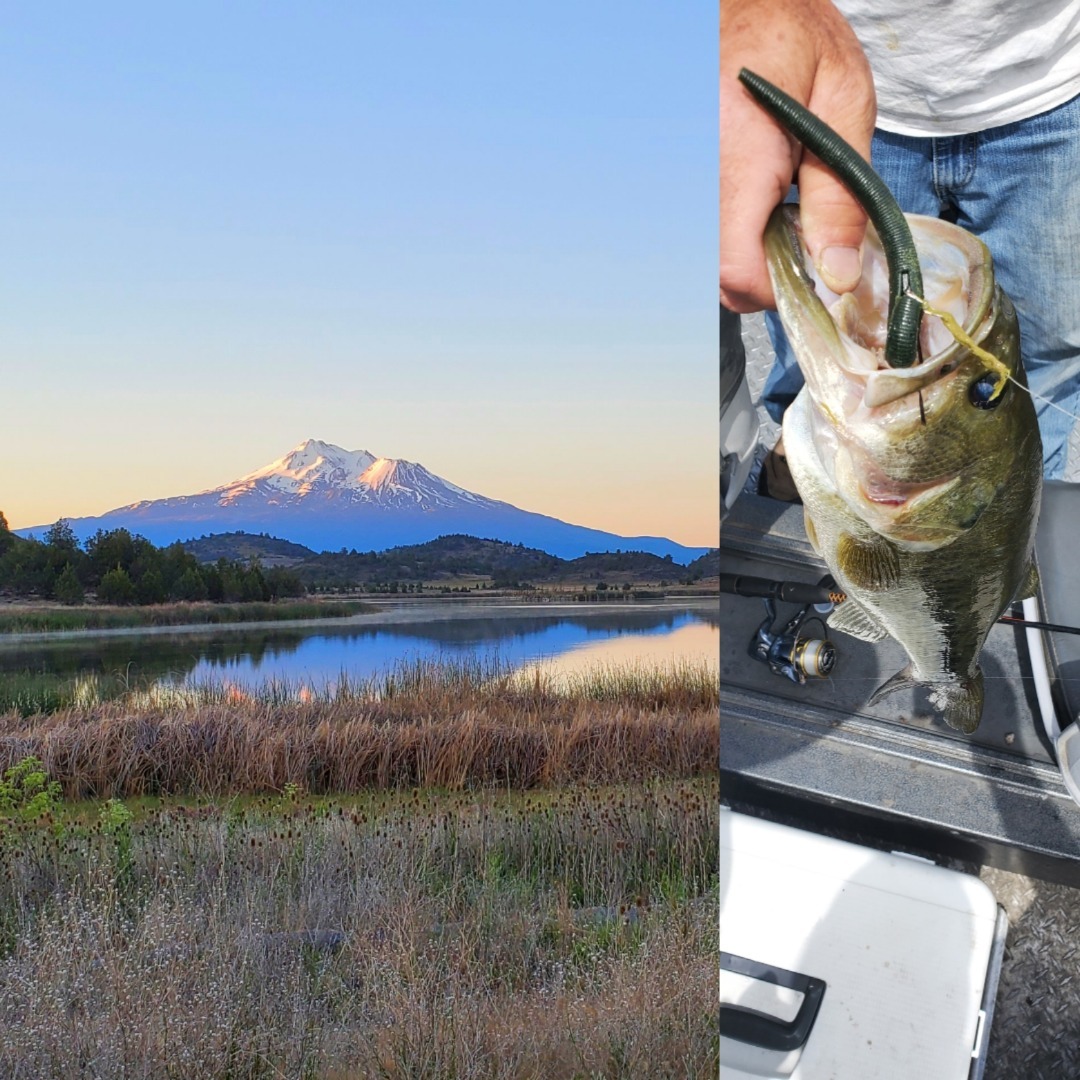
point(1029, 584)
point(852, 618)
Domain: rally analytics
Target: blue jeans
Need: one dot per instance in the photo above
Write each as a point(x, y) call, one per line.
point(1017, 187)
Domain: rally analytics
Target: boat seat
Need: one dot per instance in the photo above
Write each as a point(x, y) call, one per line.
point(1059, 590)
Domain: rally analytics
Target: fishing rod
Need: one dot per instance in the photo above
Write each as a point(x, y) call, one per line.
point(789, 652)
point(795, 592)
point(1054, 628)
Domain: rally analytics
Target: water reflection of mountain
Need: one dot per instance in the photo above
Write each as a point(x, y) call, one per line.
point(359, 652)
point(321, 653)
point(477, 631)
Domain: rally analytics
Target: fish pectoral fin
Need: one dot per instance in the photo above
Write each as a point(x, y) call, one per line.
point(871, 564)
point(852, 618)
point(811, 531)
point(1029, 585)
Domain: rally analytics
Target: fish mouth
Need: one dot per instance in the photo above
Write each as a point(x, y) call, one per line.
point(843, 335)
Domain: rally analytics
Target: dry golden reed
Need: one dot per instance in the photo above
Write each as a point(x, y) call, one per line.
point(422, 725)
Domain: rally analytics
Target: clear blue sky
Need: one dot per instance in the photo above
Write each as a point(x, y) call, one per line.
point(481, 236)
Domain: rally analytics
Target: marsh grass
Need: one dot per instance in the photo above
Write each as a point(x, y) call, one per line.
point(32, 692)
point(564, 933)
point(423, 724)
point(24, 620)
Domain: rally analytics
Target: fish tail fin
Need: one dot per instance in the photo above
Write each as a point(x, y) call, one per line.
point(960, 702)
point(900, 681)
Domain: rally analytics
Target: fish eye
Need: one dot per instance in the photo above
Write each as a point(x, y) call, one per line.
point(980, 391)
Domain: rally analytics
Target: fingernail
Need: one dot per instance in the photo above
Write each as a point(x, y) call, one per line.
point(840, 268)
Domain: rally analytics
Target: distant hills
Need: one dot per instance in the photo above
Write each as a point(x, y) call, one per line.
point(269, 550)
point(450, 557)
point(328, 499)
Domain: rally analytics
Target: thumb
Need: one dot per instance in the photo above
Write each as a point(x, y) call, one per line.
point(833, 222)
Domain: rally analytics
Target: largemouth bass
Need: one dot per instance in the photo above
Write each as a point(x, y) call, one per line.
point(921, 485)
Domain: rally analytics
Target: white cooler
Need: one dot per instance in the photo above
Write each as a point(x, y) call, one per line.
point(839, 962)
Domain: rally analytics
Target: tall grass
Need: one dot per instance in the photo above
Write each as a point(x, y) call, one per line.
point(24, 620)
point(478, 936)
point(30, 692)
point(422, 724)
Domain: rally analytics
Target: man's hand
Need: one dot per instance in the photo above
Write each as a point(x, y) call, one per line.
point(807, 49)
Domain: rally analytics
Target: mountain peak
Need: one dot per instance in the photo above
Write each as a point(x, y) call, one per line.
point(310, 464)
point(314, 453)
point(326, 497)
point(316, 446)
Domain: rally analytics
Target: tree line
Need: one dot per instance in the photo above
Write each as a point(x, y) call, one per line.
point(120, 567)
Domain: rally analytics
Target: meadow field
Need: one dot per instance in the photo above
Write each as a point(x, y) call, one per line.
point(446, 872)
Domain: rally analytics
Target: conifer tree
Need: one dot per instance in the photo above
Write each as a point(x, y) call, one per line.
point(67, 587)
point(116, 588)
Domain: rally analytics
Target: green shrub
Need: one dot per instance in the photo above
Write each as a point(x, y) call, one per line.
point(26, 790)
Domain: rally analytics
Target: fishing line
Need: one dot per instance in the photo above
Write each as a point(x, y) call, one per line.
point(966, 340)
point(1045, 400)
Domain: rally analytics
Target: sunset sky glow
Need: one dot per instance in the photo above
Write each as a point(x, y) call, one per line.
point(480, 236)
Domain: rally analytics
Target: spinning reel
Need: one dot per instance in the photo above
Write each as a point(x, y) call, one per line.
point(784, 649)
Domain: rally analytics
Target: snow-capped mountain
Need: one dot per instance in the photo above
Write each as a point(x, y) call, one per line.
point(325, 473)
point(328, 498)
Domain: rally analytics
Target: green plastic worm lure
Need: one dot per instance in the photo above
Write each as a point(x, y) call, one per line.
point(905, 276)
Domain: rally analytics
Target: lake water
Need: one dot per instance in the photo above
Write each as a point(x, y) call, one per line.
point(567, 637)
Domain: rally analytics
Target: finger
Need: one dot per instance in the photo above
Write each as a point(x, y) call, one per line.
point(755, 173)
point(833, 224)
point(744, 276)
point(833, 221)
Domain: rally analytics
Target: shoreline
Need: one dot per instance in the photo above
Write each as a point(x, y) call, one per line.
point(392, 612)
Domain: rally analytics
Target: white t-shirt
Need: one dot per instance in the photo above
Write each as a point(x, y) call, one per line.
point(952, 67)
